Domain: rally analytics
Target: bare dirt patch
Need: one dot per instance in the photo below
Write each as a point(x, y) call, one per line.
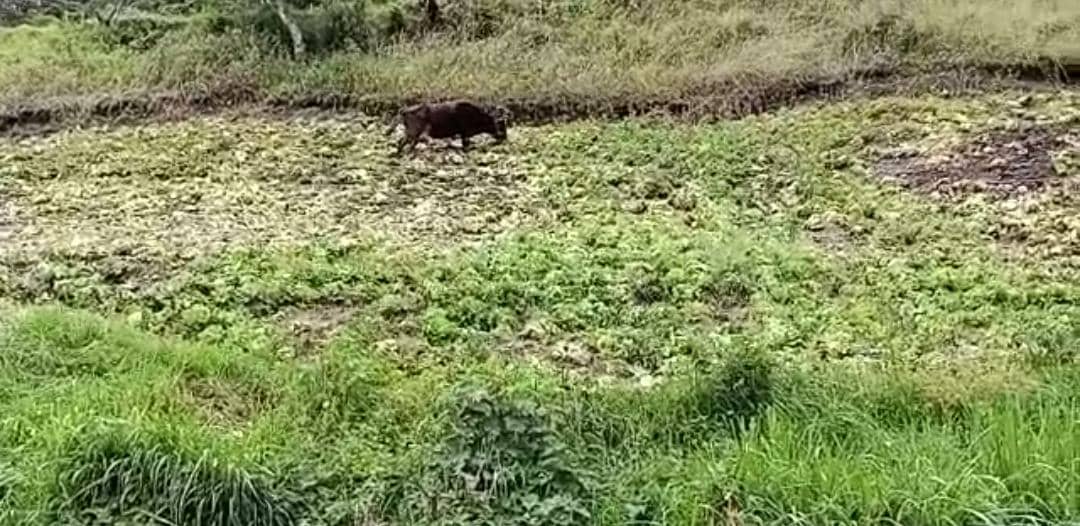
point(537, 342)
point(313, 327)
point(830, 236)
point(572, 356)
point(1000, 163)
point(832, 231)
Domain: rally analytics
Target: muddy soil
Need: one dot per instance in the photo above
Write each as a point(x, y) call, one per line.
point(1000, 164)
point(313, 327)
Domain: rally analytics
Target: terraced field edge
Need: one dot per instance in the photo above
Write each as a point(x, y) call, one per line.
point(728, 100)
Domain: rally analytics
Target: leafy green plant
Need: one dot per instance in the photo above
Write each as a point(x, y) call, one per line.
point(504, 464)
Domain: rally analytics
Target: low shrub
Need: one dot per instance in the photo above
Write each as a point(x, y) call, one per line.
point(502, 464)
point(739, 390)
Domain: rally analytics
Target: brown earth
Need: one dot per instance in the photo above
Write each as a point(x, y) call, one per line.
point(998, 163)
point(315, 326)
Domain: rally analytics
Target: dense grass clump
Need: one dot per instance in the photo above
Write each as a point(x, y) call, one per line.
point(741, 389)
point(118, 477)
point(7, 481)
point(980, 466)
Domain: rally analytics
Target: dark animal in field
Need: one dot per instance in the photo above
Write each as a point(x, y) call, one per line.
point(445, 120)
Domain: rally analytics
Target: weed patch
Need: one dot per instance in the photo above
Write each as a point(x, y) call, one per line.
point(739, 390)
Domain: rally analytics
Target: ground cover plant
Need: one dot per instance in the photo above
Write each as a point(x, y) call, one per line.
point(258, 319)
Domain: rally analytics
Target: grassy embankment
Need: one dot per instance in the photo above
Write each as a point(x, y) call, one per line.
point(589, 54)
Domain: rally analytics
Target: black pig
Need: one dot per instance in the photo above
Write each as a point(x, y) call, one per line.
point(445, 120)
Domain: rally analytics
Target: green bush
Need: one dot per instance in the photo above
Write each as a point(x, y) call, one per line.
point(740, 389)
point(325, 26)
point(479, 19)
point(338, 25)
point(503, 464)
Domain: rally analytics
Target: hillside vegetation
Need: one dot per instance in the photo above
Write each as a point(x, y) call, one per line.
point(595, 53)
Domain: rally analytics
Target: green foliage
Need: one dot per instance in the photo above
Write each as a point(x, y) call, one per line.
point(114, 477)
point(8, 480)
point(140, 32)
point(339, 25)
point(504, 464)
point(741, 388)
point(587, 55)
point(326, 27)
point(480, 19)
point(664, 363)
point(56, 346)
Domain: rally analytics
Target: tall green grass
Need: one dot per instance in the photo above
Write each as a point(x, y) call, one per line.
point(120, 476)
point(498, 443)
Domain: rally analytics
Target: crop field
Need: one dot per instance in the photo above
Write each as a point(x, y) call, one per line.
point(740, 262)
point(861, 312)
